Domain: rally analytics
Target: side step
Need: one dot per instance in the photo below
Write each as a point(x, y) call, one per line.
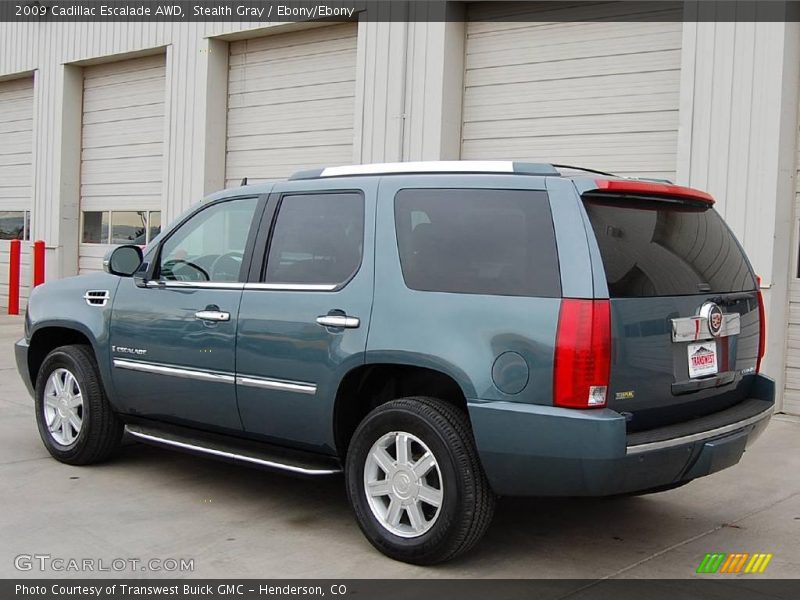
point(234, 449)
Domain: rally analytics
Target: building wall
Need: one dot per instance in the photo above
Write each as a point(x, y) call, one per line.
point(736, 118)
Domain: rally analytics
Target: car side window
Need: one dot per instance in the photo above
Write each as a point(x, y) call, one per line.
point(317, 239)
point(210, 245)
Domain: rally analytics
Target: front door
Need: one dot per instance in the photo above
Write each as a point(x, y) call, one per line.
point(173, 341)
point(304, 317)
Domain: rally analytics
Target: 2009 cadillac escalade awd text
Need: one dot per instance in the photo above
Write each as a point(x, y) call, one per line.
point(441, 332)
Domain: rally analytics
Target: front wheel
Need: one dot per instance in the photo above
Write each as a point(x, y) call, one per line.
point(415, 481)
point(75, 420)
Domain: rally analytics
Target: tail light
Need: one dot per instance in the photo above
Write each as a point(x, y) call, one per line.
point(762, 326)
point(583, 354)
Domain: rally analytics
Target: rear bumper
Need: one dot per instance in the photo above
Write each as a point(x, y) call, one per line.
point(21, 355)
point(530, 450)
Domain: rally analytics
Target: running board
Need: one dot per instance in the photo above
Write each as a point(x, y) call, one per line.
point(236, 450)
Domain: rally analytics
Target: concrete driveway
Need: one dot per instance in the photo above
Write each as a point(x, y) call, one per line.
point(234, 521)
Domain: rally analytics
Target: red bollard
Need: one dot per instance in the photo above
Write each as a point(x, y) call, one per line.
point(14, 250)
point(38, 263)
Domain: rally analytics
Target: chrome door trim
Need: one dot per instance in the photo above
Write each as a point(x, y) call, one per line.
point(692, 329)
point(159, 369)
point(293, 287)
point(276, 384)
point(214, 285)
point(702, 435)
point(231, 455)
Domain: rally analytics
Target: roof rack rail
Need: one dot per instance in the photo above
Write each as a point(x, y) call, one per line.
point(585, 170)
point(444, 166)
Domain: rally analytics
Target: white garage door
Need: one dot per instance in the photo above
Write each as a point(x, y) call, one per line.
point(290, 103)
point(791, 396)
point(121, 155)
point(595, 94)
point(16, 144)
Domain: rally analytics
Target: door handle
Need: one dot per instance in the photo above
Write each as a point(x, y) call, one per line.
point(212, 315)
point(339, 321)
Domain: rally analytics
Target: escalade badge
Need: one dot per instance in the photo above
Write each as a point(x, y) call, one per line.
point(713, 316)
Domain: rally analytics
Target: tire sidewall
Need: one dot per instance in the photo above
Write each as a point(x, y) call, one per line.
point(370, 430)
point(61, 359)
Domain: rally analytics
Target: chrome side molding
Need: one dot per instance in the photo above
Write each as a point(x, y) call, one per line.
point(145, 367)
point(275, 384)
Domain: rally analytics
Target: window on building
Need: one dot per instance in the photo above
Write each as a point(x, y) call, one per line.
point(120, 227)
point(318, 239)
point(15, 225)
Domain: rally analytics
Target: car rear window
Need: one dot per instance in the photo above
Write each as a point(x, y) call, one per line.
point(477, 241)
point(662, 248)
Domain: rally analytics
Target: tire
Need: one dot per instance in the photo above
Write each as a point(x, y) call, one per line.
point(466, 502)
point(100, 430)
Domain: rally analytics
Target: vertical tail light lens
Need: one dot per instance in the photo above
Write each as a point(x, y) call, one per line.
point(762, 326)
point(583, 354)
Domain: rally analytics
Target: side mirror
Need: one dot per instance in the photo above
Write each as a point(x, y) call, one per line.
point(123, 260)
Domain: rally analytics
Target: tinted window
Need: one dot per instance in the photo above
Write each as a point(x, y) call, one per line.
point(210, 245)
point(666, 249)
point(477, 241)
point(317, 239)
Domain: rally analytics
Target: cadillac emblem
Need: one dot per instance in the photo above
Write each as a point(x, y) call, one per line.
point(713, 316)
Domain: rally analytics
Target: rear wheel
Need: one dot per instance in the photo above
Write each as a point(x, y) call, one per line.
point(415, 481)
point(75, 420)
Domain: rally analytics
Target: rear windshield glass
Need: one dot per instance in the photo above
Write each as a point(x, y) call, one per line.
point(477, 241)
point(666, 249)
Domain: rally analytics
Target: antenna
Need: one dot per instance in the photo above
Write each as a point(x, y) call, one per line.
point(244, 181)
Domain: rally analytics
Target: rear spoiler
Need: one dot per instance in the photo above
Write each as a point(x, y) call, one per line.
point(642, 189)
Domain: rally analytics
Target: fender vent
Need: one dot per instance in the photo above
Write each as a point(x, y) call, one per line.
point(96, 297)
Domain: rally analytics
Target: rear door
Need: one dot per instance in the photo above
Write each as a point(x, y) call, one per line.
point(684, 302)
point(306, 308)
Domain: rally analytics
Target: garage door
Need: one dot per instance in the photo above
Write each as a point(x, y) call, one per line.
point(16, 144)
point(791, 396)
point(290, 102)
point(121, 155)
point(596, 94)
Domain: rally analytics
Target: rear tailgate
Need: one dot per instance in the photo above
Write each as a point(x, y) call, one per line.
point(684, 303)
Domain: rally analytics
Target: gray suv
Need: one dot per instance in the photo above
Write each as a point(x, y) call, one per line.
point(443, 333)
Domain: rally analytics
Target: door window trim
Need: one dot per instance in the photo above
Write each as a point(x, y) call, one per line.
point(153, 268)
point(257, 275)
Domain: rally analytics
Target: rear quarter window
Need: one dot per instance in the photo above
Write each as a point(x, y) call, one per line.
point(658, 248)
point(477, 241)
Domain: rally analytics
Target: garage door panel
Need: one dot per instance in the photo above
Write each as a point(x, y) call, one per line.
point(130, 112)
point(574, 125)
point(246, 83)
point(596, 94)
point(561, 50)
point(302, 92)
point(134, 67)
point(16, 146)
point(574, 68)
point(101, 135)
point(299, 43)
point(122, 142)
point(542, 12)
point(290, 103)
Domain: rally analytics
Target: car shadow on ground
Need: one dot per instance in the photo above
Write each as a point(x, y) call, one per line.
point(522, 528)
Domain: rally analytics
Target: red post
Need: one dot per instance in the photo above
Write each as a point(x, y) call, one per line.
point(38, 263)
point(15, 250)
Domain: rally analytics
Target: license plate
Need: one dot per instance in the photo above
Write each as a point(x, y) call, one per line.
point(702, 359)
